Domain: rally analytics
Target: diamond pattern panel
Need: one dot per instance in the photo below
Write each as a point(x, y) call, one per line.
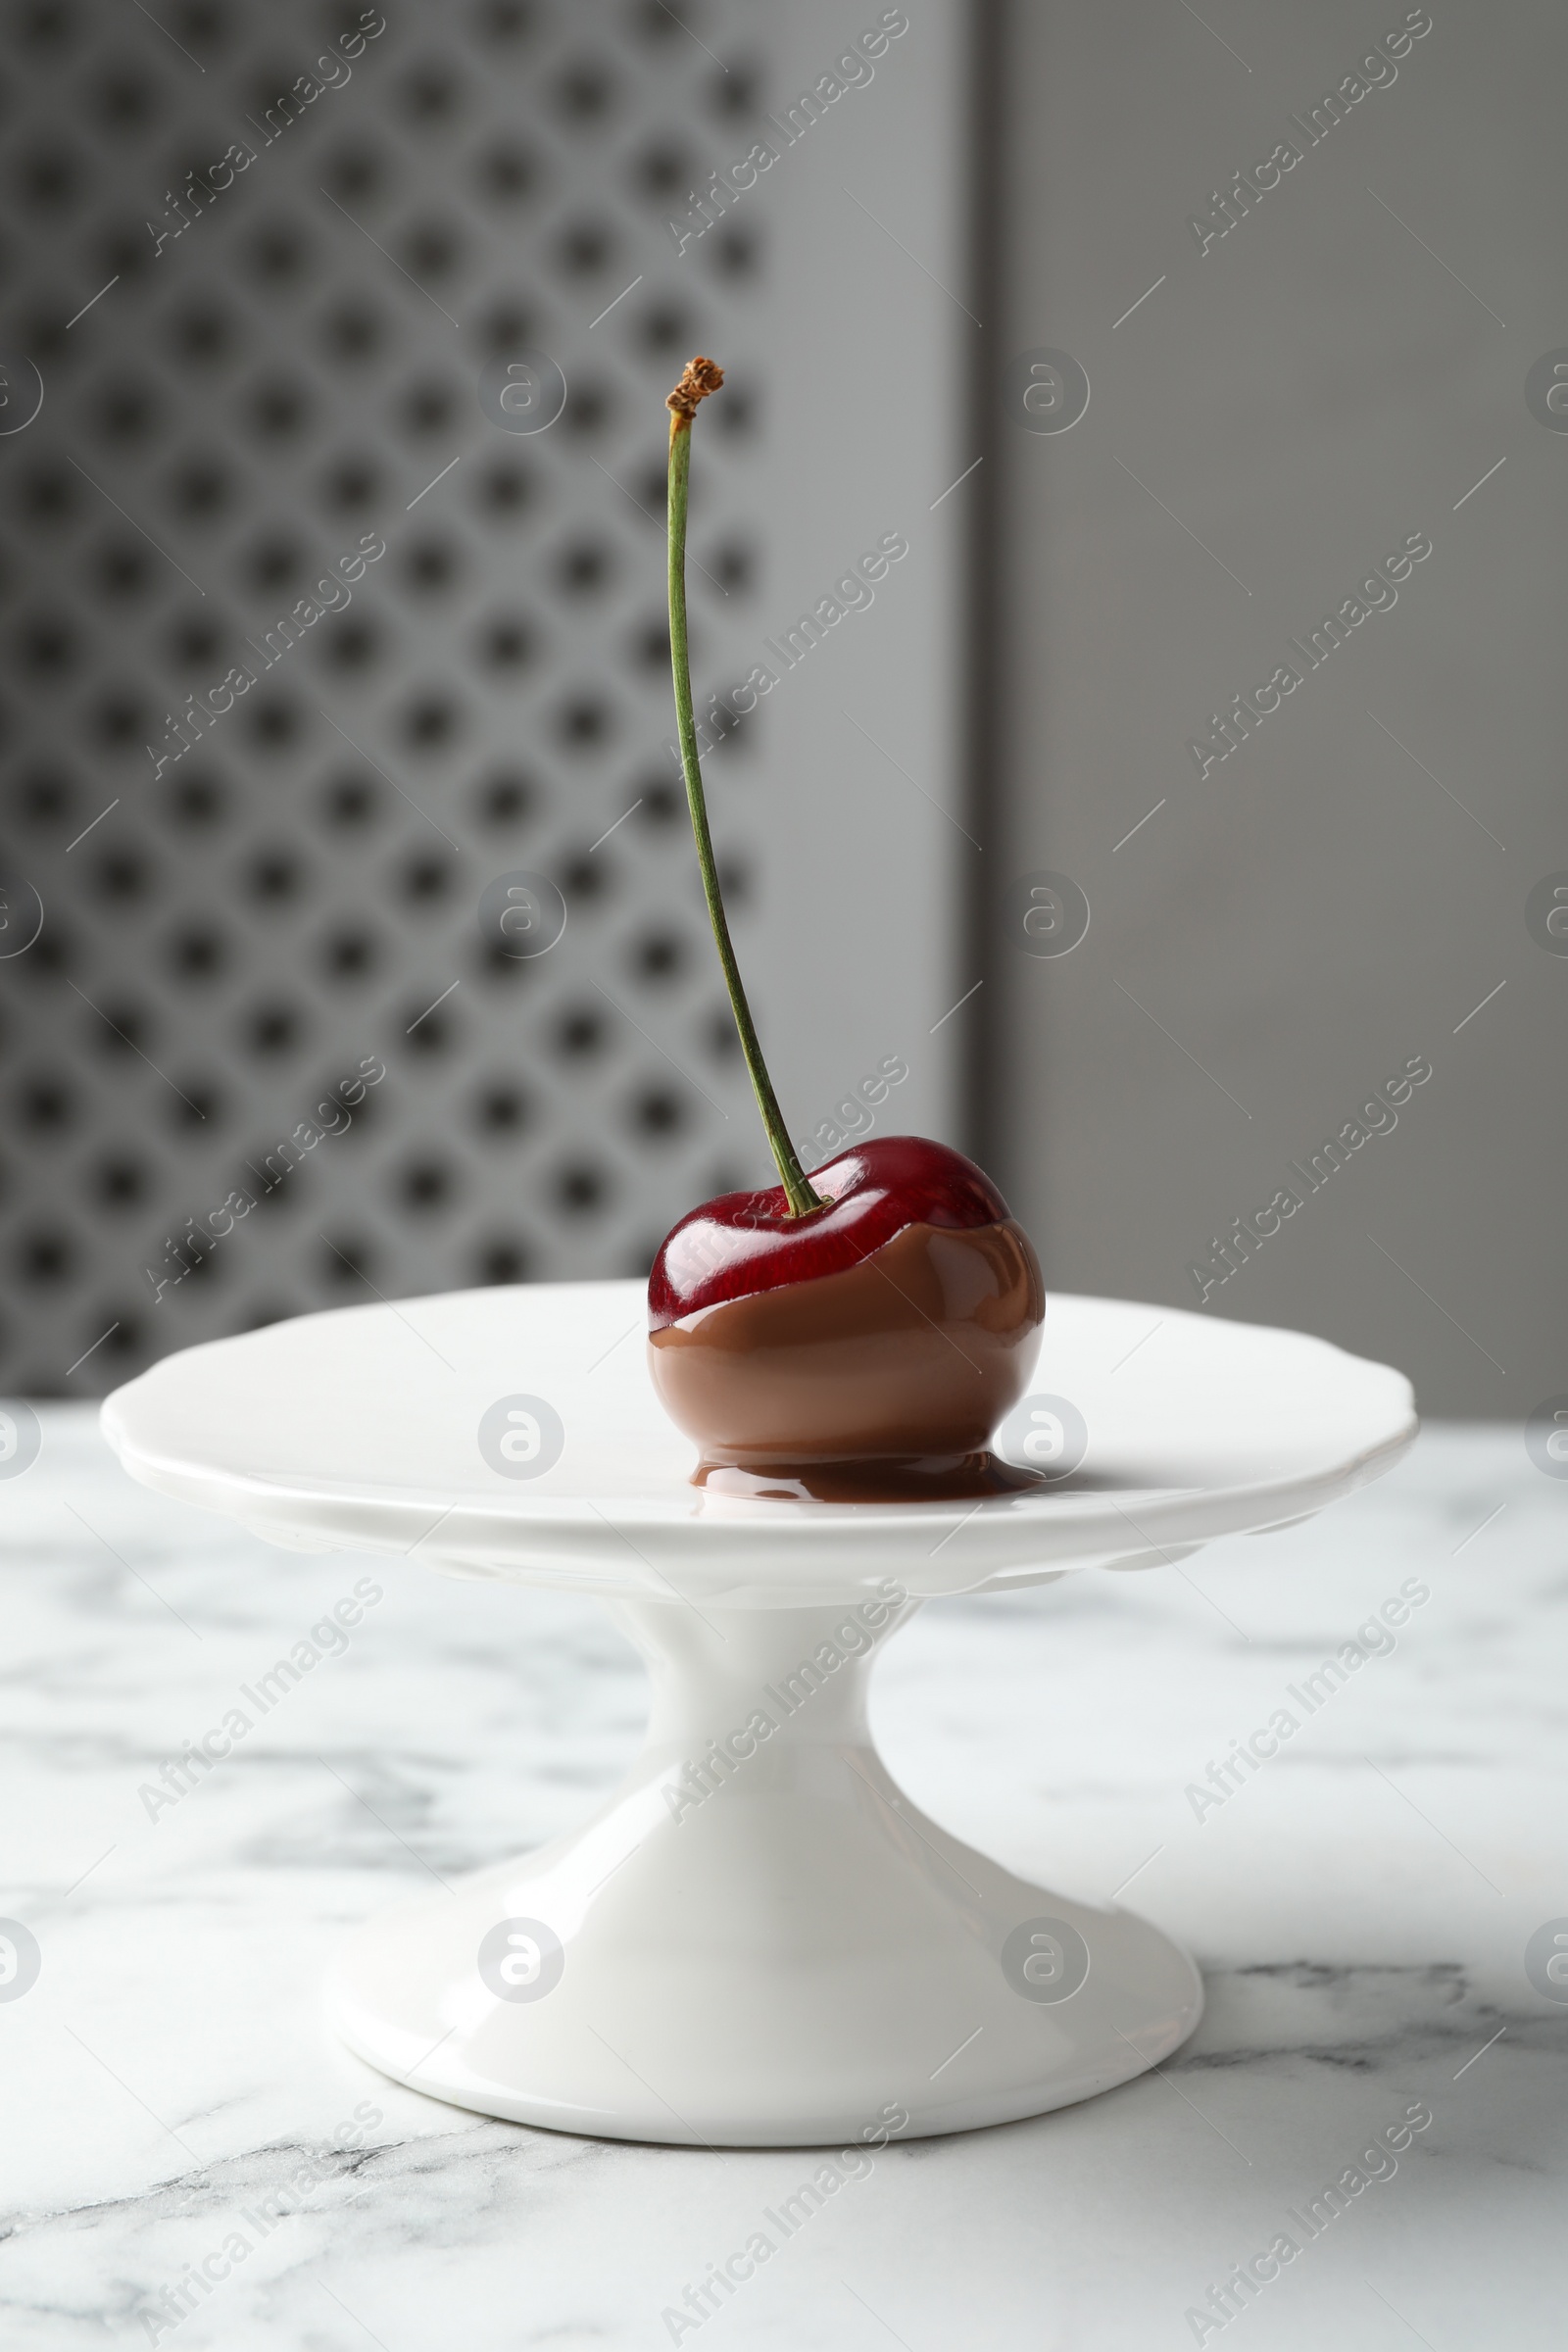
point(303, 648)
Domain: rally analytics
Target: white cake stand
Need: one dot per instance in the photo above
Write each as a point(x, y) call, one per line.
point(759, 1941)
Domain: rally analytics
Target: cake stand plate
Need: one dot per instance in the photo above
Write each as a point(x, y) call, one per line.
point(758, 1940)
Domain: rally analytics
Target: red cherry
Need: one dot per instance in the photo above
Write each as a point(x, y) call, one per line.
point(744, 1243)
point(856, 1336)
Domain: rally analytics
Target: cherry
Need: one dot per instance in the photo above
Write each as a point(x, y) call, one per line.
point(862, 1353)
point(744, 1243)
point(854, 1335)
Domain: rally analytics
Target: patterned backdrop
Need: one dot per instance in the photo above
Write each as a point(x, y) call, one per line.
point(270, 267)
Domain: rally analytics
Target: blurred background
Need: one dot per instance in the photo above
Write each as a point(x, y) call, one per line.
point(1082, 364)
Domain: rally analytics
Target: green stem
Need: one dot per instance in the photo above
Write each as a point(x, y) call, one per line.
point(791, 1175)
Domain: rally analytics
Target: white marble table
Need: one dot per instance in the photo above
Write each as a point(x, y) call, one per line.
point(1360, 1905)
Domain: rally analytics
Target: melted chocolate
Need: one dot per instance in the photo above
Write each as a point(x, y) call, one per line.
point(879, 1384)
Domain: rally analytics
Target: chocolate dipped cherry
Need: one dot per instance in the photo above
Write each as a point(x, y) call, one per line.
point(864, 1351)
point(852, 1337)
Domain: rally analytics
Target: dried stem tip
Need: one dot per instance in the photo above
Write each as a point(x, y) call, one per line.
point(702, 376)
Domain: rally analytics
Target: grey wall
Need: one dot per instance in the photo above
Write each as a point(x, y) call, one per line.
point(1338, 894)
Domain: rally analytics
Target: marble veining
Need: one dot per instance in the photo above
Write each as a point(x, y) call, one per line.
point(1359, 1903)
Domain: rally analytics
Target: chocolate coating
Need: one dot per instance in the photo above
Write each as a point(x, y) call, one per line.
point(882, 1383)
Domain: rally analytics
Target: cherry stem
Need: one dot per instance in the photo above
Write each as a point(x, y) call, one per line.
point(797, 1188)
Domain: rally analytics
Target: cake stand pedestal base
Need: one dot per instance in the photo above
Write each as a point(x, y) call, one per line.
point(759, 1941)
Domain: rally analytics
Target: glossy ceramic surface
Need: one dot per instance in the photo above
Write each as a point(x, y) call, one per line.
point(759, 1941)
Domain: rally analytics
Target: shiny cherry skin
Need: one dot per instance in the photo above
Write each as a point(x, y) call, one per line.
point(744, 1243)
